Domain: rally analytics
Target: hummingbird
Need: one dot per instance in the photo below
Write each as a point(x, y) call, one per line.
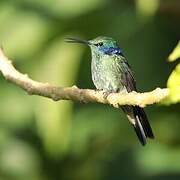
point(112, 73)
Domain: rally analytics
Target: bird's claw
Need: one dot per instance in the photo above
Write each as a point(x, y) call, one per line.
point(106, 94)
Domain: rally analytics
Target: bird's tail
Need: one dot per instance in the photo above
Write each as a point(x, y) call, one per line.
point(139, 120)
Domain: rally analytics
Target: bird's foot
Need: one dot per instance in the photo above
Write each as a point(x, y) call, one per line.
point(106, 94)
point(97, 90)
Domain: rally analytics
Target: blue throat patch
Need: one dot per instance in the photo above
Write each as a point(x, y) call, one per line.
point(111, 50)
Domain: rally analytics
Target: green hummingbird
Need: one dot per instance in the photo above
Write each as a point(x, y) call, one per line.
point(112, 73)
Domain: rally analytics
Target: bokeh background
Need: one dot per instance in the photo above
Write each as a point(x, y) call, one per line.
point(45, 140)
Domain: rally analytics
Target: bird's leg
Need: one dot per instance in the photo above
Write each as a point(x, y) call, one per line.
point(106, 94)
point(97, 90)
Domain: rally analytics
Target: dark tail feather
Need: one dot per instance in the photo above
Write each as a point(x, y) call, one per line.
point(139, 131)
point(139, 112)
point(139, 120)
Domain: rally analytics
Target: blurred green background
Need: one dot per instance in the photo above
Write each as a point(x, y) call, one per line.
point(45, 140)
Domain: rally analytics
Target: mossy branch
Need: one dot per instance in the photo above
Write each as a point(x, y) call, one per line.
point(74, 93)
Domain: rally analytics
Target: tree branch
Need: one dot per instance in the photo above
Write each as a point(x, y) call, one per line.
point(75, 94)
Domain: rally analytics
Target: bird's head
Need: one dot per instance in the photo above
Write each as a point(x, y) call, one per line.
point(100, 45)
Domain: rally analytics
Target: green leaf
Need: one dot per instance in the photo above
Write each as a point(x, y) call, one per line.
point(173, 82)
point(175, 54)
point(174, 85)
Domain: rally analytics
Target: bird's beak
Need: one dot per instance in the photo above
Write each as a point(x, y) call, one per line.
point(76, 40)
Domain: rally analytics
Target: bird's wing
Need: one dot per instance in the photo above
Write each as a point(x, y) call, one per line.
point(135, 114)
point(127, 77)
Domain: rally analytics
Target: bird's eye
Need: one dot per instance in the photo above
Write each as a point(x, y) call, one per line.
point(99, 44)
